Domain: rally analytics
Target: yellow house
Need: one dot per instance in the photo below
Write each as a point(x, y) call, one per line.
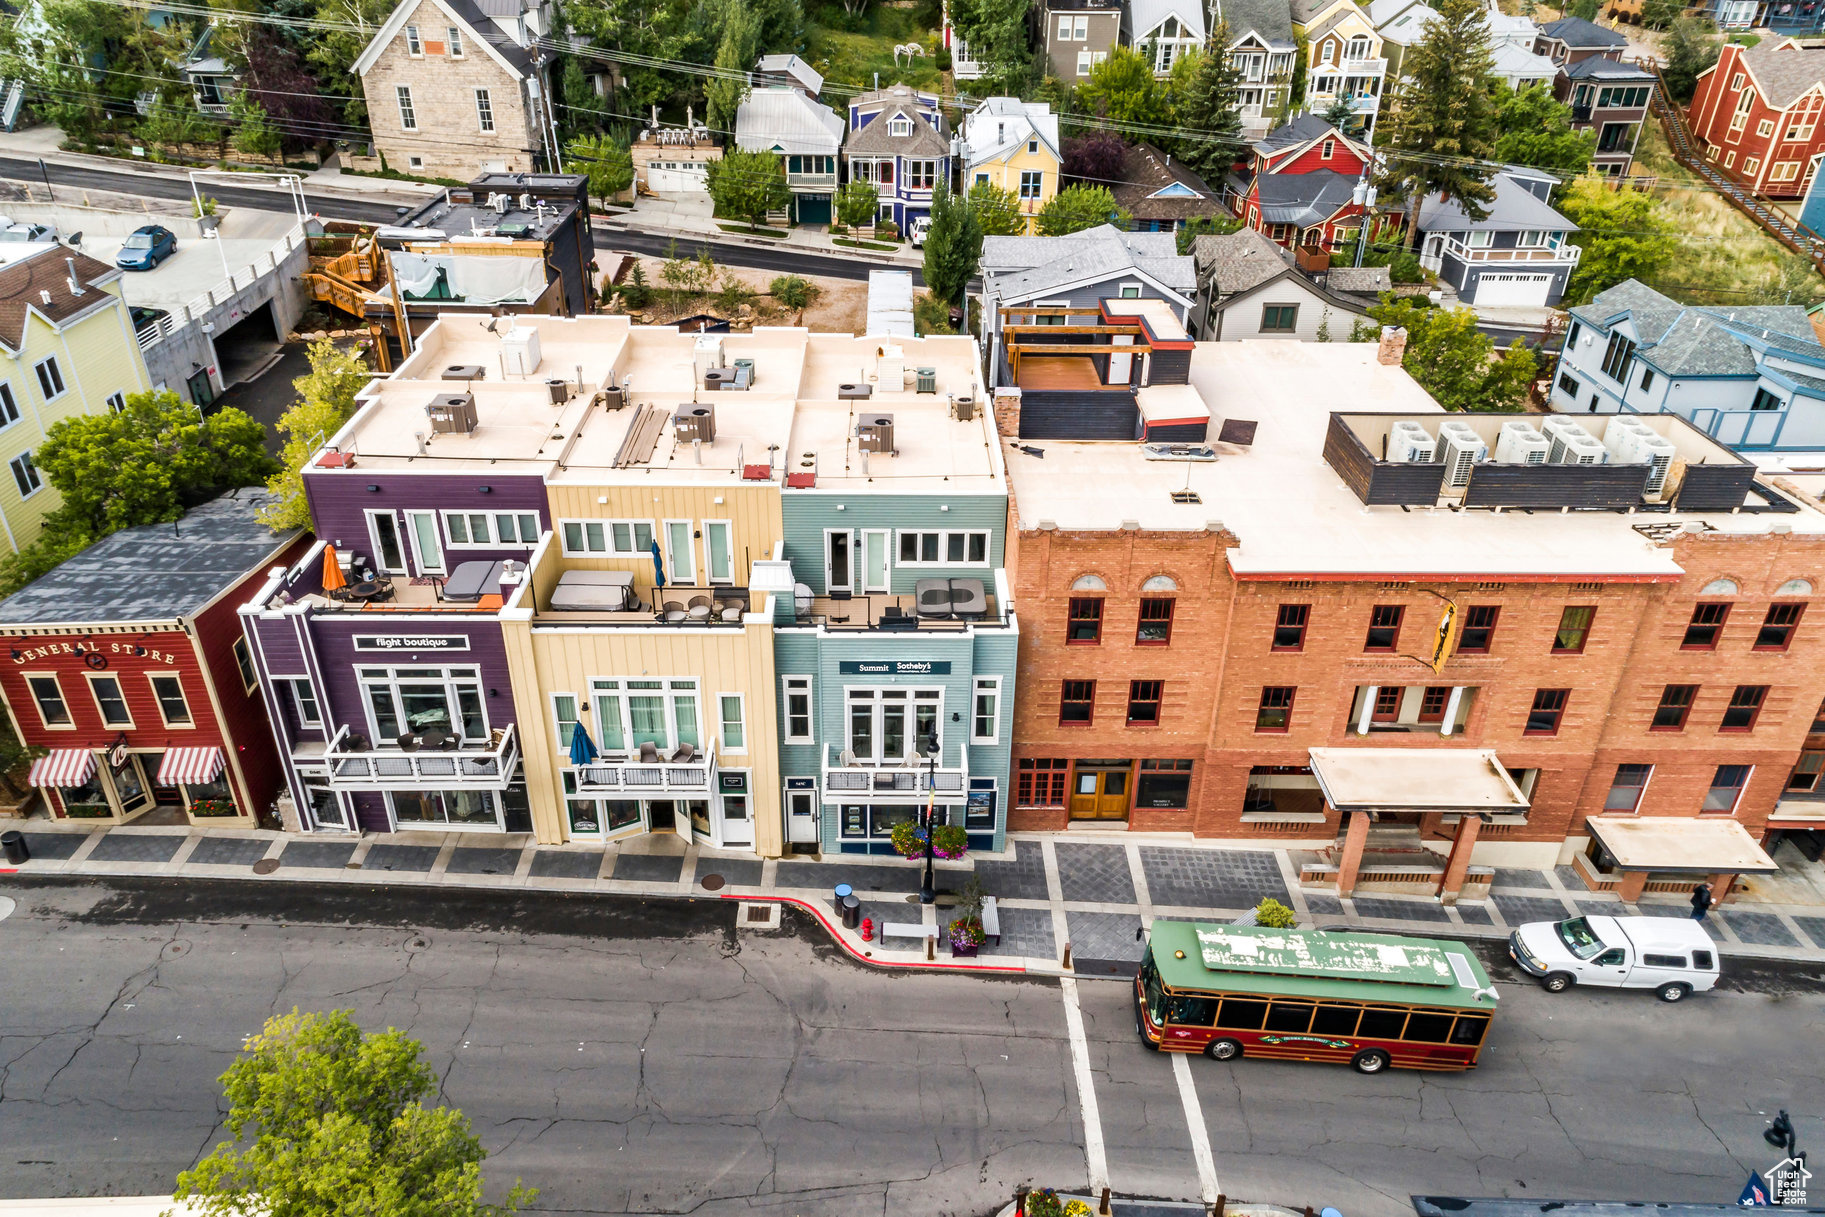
point(1014, 145)
point(67, 348)
point(1343, 59)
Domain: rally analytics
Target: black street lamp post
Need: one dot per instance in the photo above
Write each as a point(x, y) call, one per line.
point(928, 891)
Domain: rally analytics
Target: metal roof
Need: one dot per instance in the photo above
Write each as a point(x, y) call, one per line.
point(153, 572)
point(890, 304)
point(785, 120)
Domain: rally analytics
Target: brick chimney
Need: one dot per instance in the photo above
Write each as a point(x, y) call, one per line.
point(1393, 346)
point(1007, 412)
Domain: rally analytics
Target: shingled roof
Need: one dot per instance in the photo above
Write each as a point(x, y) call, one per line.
point(1579, 34)
point(1156, 187)
point(41, 284)
point(1784, 69)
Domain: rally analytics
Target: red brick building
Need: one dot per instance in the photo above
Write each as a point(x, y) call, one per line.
point(1410, 667)
point(1756, 113)
point(127, 665)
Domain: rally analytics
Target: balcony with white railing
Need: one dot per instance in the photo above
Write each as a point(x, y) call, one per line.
point(1557, 250)
point(908, 780)
point(1365, 67)
point(355, 764)
point(650, 773)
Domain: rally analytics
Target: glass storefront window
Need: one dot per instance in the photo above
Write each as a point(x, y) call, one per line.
point(1164, 784)
point(461, 808)
point(87, 801)
point(424, 699)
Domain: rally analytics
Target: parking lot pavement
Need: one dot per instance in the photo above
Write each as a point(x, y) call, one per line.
point(1586, 1095)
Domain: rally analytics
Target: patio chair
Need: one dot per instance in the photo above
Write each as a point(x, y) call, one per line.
point(685, 753)
point(846, 759)
point(649, 755)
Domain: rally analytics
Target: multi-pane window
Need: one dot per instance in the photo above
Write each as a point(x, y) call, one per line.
point(920, 175)
point(50, 378)
point(1144, 700)
point(606, 536)
point(1764, 400)
point(484, 110)
point(1432, 703)
point(1041, 781)
point(1289, 626)
point(243, 664)
point(985, 710)
point(455, 36)
point(1726, 788)
point(408, 117)
point(1279, 318)
point(1818, 720)
point(1574, 629)
point(1076, 700)
point(564, 717)
point(1675, 704)
point(1479, 629)
point(1744, 708)
point(1084, 626)
point(414, 45)
point(1778, 626)
point(1547, 711)
point(798, 709)
point(1706, 626)
point(944, 548)
point(110, 701)
point(1617, 355)
point(633, 713)
point(52, 708)
point(1387, 704)
point(1626, 787)
point(25, 475)
point(1276, 710)
point(1030, 180)
point(1805, 776)
point(732, 721)
point(1163, 784)
point(304, 702)
point(1155, 627)
point(410, 700)
point(169, 691)
point(1384, 627)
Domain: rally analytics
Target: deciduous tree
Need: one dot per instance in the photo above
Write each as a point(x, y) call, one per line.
point(1122, 89)
point(1453, 360)
point(996, 31)
point(605, 161)
point(1443, 127)
point(857, 204)
point(953, 246)
point(1198, 226)
point(332, 1122)
point(1080, 207)
point(997, 211)
point(1690, 45)
point(1622, 232)
point(350, 26)
point(747, 185)
point(1095, 159)
point(326, 400)
point(1659, 14)
point(1534, 129)
point(740, 36)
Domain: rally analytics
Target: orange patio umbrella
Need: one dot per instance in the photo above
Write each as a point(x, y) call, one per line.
point(333, 577)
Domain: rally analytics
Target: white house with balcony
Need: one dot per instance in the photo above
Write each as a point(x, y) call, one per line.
point(1519, 255)
point(1344, 59)
point(1163, 30)
point(1750, 376)
point(1262, 49)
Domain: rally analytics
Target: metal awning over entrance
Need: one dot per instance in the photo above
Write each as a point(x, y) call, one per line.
point(64, 767)
point(1416, 779)
point(189, 766)
point(1797, 814)
point(1680, 845)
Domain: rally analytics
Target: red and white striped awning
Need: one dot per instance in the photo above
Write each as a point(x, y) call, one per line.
point(63, 767)
point(189, 766)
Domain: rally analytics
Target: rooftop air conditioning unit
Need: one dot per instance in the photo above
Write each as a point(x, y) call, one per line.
point(1584, 449)
point(1449, 428)
point(874, 433)
point(1463, 449)
point(1409, 443)
point(1520, 444)
point(452, 413)
point(1620, 435)
point(694, 421)
point(520, 350)
point(706, 354)
point(1565, 432)
point(1657, 453)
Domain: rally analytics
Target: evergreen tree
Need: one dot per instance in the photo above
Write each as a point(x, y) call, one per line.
point(1340, 113)
point(1690, 45)
point(1209, 109)
point(1443, 127)
point(740, 37)
point(1122, 88)
point(953, 246)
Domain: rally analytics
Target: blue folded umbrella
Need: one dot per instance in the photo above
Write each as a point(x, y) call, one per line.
point(582, 748)
point(658, 566)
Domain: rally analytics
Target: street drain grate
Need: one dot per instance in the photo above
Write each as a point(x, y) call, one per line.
point(759, 915)
point(712, 883)
point(266, 866)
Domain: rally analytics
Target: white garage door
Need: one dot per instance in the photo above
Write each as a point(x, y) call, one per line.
point(1505, 289)
point(675, 177)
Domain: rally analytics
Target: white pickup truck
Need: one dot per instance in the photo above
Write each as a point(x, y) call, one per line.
point(1672, 956)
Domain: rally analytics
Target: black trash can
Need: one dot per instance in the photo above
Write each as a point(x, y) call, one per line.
point(14, 845)
point(852, 912)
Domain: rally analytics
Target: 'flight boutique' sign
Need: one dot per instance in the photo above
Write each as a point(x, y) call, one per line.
point(411, 642)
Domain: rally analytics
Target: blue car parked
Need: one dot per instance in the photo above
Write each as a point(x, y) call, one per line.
point(146, 248)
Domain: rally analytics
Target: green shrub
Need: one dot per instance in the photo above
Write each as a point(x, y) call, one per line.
point(635, 293)
point(1274, 915)
point(792, 291)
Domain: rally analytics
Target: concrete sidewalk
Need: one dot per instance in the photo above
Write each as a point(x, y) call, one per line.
point(1090, 893)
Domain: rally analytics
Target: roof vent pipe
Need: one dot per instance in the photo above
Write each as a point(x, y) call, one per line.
point(76, 282)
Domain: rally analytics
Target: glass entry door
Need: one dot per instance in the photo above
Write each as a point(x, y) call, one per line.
point(427, 544)
point(874, 561)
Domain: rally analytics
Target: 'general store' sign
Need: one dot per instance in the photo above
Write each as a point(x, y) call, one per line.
point(411, 642)
point(84, 651)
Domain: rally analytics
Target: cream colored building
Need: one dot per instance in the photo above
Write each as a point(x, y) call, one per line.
point(1013, 144)
point(67, 348)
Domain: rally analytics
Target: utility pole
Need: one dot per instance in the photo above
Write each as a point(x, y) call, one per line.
point(1363, 195)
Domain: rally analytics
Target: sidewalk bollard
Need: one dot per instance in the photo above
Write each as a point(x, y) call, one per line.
point(14, 845)
point(1216, 1210)
point(1067, 963)
point(868, 929)
point(852, 912)
point(1020, 1199)
point(842, 890)
point(1103, 1208)
point(931, 949)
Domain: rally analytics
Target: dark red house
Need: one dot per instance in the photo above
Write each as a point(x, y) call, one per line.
point(127, 665)
point(1756, 113)
point(1299, 186)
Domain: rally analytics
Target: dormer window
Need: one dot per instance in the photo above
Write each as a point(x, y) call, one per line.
point(1325, 151)
point(900, 126)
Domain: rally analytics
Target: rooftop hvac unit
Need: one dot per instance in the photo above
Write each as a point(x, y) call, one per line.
point(1520, 444)
point(694, 421)
point(452, 413)
point(717, 379)
point(520, 350)
point(1462, 452)
point(1620, 435)
point(1583, 449)
point(1452, 427)
point(927, 380)
point(706, 354)
point(1409, 443)
point(1657, 452)
point(465, 371)
point(874, 433)
point(1564, 433)
point(744, 373)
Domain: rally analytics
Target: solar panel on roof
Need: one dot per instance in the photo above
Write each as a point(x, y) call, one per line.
point(1296, 952)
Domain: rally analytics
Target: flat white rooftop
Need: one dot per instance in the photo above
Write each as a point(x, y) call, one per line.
point(1295, 516)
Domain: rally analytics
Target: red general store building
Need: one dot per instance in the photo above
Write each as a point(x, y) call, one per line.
point(1412, 670)
point(127, 665)
point(1756, 113)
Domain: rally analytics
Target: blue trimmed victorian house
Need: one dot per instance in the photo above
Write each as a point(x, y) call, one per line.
point(898, 139)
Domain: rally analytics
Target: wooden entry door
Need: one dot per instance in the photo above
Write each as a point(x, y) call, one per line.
point(1100, 792)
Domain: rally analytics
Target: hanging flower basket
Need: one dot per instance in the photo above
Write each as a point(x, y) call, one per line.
point(909, 840)
point(950, 841)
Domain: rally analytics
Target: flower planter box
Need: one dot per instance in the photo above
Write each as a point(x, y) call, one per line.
point(964, 952)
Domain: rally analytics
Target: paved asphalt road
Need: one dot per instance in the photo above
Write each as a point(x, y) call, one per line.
point(365, 209)
point(650, 1057)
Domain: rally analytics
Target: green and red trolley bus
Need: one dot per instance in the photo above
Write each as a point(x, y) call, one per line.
point(1373, 1000)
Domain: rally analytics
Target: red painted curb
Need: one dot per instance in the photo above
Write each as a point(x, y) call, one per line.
point(824, 920)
